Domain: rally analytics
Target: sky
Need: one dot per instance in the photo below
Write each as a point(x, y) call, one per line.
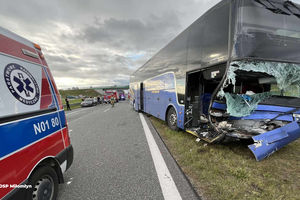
point(99, 42)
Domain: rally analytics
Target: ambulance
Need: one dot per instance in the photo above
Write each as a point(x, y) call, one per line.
point(35, 147)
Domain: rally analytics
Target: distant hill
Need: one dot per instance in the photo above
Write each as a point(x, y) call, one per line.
point(84, 92)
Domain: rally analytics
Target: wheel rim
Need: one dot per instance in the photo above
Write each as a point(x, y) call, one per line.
point(173, 119)
point(43, 189)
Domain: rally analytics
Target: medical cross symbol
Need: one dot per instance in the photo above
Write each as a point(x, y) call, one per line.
point(21, 84)
point(24, 84)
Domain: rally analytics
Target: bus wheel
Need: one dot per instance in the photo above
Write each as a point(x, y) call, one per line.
point(44, 184)
point(172, 119)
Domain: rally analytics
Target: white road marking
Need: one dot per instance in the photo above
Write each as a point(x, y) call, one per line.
point(73, 112)
point(78, 111)
point(106, 110)
point(74, 120)
point(167, 184)
point(70, 181)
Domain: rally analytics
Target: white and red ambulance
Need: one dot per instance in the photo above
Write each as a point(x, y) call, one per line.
point(35, 148)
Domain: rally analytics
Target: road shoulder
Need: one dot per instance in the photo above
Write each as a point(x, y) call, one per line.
point(183, 184)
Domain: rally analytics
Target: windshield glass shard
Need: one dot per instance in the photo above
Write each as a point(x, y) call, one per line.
point(243, 90)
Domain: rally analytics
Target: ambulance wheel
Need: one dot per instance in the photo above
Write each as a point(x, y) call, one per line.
point(44, 184)
point(172, 119)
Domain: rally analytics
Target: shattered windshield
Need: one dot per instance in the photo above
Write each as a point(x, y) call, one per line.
point(269, 30)
point(249, 83)
point(291, 91)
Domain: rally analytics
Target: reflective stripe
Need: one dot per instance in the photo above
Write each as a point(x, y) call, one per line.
point(20, 134)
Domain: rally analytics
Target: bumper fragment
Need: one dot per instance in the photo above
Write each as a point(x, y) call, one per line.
point(269, 142)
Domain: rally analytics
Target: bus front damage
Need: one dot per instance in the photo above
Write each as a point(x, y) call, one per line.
point(258, 100)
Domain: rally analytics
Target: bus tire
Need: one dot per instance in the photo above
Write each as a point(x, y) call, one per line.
point(44, 184)
point(172, 119)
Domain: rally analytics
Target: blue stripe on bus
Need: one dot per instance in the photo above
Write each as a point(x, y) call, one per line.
point(262, 112)
point(268, 115)
point(220, 106)
point(19, 134)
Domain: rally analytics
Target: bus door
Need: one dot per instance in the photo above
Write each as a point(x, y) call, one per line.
point(142, 96)
point(200, 87)
point(194, 91)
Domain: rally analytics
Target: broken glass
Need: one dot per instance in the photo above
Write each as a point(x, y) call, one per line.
point(287, 76)
point(239, 105)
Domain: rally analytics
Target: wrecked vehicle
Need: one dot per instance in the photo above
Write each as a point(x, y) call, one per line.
point(234, 74)
point(259, 100)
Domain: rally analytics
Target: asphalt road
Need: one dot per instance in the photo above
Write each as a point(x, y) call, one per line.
point(112, 159)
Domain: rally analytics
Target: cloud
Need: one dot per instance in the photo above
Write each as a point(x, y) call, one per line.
point(132, 34)
point(99, 42)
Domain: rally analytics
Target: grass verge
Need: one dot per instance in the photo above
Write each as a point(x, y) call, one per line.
point(85, 92)
point(72, 101)
point(73, 107)
point(230, 171)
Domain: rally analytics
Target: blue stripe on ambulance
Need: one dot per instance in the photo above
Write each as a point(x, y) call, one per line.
point(62, 117)
point(17, 135)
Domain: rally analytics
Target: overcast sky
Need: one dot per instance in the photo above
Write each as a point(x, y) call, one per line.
point(99, 42)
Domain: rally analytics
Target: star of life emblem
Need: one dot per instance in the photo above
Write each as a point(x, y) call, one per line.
point(21, 84)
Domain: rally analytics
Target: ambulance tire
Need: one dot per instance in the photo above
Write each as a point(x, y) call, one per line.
point(44, 183)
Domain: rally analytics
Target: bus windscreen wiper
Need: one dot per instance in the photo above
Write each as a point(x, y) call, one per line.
point(272, 7)
point(289, 5)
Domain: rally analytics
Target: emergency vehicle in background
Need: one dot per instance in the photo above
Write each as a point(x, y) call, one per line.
point(109, 94)
point(35, 147)
point(122, 96)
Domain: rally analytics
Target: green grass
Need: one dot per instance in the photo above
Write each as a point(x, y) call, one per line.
point(72, 101)
point(85, 92)
point(230, 171)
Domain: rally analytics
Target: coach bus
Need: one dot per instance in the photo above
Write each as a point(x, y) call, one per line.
point(232, 74)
